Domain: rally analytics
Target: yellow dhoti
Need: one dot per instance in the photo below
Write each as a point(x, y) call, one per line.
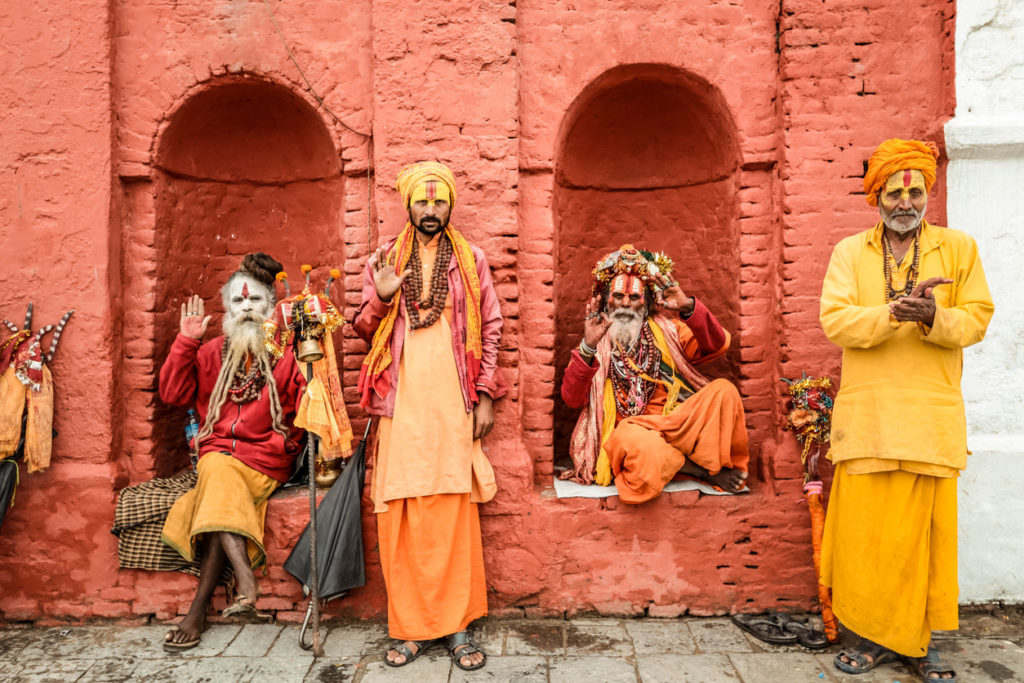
point(229, 496)
point(890, 555)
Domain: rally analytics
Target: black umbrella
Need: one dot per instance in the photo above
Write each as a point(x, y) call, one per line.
point(339, 543)
point(8, 480)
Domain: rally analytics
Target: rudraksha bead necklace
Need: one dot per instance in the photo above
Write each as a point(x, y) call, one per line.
point(887, 257)
point(246, 385)
point(632, 391)
point(434, 301)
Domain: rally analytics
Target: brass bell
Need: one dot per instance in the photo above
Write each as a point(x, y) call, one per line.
point(327, 472)
point(309, 351)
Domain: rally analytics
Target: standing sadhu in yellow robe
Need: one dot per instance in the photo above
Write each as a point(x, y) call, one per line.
point(431, 316)
point(903, 299)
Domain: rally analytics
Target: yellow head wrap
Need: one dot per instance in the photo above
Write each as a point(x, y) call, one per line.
point(895, 155)
point(415, 175)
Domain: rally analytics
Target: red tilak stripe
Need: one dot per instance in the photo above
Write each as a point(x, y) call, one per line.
point(431, 189)
point(906, 179)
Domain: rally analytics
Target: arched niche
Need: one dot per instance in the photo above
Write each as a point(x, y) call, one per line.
point(647, 154)
point(243, 165)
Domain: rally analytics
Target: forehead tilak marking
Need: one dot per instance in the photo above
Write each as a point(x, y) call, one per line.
point(245, 289)
point(906, 178)
point(431, 189)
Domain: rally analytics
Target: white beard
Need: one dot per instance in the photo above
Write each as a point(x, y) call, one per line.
point(897, 220)
point(244, 333)
point(626, 326)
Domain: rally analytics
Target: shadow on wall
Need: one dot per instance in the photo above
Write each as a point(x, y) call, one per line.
point(244, 165)
point(648, 154)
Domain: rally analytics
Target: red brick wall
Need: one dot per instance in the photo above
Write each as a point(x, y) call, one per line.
point(136, 134)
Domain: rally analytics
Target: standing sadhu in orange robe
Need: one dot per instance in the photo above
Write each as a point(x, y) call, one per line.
point(647, 413)
point(431, 316)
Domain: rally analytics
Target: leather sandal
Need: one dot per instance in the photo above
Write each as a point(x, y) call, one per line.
point(931, 663)
point(459, 646)
point(858, 657)
point(806, 635)
point(410, 656)
point(770, 628)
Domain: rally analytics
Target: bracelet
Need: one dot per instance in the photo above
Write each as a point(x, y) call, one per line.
point(586, 350)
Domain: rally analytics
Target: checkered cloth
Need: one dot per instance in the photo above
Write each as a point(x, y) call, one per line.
point(139, 521)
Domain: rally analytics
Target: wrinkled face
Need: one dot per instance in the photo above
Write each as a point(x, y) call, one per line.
point(430, 207)
point(902, 201)
point(248, 299)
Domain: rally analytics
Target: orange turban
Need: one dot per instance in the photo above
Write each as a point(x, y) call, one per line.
point(896, 155)
point(413, 175)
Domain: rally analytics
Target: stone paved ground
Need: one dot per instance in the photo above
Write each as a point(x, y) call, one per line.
point(989, 647)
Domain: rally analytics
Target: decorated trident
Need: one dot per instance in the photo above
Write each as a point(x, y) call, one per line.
point(306, 321)
point(810, 420)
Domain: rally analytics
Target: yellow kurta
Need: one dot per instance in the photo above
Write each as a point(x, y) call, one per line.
point(900, 397)
point(898, 438)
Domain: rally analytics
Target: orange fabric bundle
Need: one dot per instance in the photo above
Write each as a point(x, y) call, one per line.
point(39, 426)
point(896, 155)
point(12, 404)
point(322, 410)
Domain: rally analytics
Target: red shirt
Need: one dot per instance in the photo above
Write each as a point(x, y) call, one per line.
point(244, 430)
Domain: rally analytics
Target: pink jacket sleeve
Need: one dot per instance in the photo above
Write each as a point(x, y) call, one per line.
point(490, 330)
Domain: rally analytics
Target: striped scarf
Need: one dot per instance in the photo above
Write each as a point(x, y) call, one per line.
point(373, 375)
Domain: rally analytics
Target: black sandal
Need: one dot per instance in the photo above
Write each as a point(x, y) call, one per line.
point(806, 634)
point(460, 641)
point(931, 663)
point(858, 657)
point(399, 647)
point(771, 627)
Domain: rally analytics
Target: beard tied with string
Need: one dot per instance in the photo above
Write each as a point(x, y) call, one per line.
point(244, 341)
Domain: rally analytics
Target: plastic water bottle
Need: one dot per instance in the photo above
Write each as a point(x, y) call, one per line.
point(191, 432)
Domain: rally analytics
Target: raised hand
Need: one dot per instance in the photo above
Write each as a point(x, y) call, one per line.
point(194, 320)
point(668, 294)
point(595, 323)
point(920, 305)
point(385, 280)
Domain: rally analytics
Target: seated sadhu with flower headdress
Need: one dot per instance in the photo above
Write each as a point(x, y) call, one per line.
point(648, 414)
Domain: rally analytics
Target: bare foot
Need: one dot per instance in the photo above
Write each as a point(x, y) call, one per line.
point(190, 628)
point(728, 479)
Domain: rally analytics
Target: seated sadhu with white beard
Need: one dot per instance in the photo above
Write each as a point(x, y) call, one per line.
point(247, 445)
point(648, 415)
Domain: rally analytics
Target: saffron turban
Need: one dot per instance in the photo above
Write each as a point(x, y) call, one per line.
point(414, 175)
point(896, 155)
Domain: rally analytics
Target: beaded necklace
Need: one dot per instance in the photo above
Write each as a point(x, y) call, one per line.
point(633, 392)
point(246, 384)
point(887, 255)
point(434, 301)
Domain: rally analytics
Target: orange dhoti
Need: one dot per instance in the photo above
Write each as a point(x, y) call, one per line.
point(647, 451)
point(433, 564)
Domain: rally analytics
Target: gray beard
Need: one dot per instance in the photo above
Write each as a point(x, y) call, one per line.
point(901, 227)
point(626, 326)
point(244, 333)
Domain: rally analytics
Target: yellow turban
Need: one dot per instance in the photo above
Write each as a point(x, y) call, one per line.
point(896, 155)
point(414, 175)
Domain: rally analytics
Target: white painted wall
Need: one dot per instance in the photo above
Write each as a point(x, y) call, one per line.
point(985, 143)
